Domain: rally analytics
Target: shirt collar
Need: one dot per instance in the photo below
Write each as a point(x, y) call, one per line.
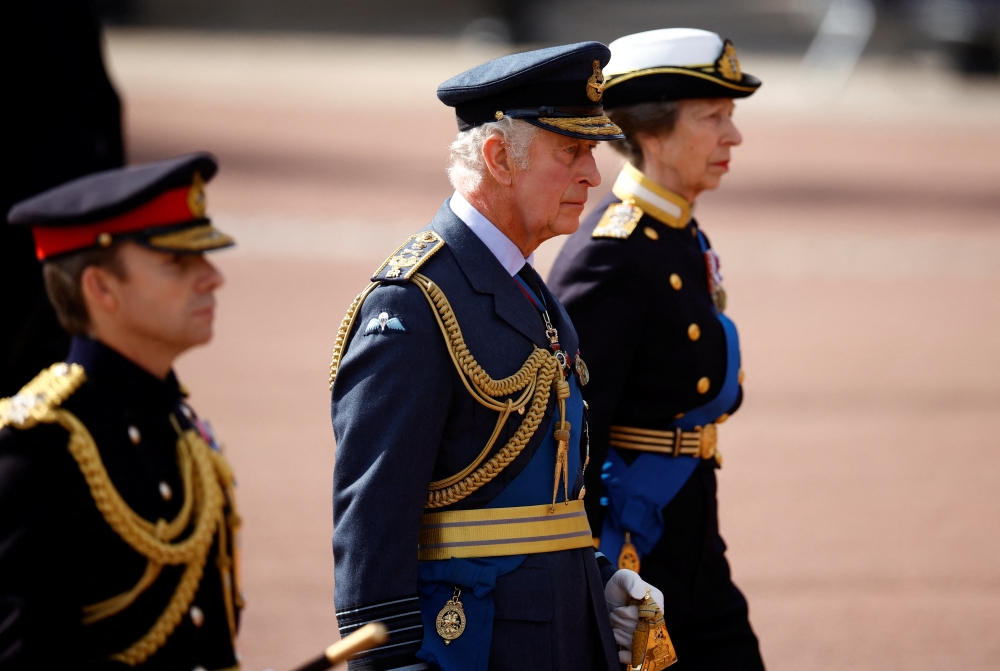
point(650, 197)
point(500, 245)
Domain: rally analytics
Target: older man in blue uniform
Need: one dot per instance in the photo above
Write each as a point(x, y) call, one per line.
point(458, 512)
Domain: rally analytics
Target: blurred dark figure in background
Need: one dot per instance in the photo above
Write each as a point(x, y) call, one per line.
point(64, 121)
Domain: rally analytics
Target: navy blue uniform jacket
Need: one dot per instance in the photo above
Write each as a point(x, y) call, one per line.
point(57, 552)
point(402, 419)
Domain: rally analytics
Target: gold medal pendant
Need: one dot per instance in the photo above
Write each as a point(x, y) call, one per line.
point(652, 649)
point(629, 556)
point(450, 621)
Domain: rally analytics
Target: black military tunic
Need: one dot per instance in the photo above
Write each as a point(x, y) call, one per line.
point(638, 293)
point(59, 555)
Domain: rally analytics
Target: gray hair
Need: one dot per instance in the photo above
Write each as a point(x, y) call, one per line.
point(466, 167)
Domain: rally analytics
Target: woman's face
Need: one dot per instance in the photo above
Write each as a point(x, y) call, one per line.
point(694, 155)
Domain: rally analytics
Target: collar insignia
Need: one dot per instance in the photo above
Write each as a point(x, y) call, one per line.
point(382, 323)
point(595, 85)
point(728, 64)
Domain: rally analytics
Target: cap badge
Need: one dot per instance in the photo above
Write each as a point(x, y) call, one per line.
point(196, 197)
point(595, 85)
point(729, 64)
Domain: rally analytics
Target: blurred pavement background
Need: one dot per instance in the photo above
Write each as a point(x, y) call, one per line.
point(860, 238)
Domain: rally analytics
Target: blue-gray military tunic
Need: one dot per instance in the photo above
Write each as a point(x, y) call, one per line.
point(404, 417)
point(642, 285)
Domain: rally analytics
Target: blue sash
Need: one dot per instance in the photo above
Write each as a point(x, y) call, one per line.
point(436, 580)
point(636, 495)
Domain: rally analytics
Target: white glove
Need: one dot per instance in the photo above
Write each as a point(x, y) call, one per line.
point(625, 618)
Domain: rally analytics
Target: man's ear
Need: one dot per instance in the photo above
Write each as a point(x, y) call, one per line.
point(498, 160)
point(97, 290)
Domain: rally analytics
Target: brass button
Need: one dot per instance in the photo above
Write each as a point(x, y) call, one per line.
point(134, 435)
point(675, 281)
point(678, 415)
point(694, 232)
point(651, 233)
point(723, 417)
point(166, 492)
point(104, 239)
point(694, 332)
point(197, 616)
point(739, 376)
point(703, 385)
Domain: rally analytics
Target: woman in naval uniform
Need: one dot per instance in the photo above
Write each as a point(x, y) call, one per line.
point(642, 285)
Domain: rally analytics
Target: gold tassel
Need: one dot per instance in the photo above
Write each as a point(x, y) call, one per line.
point(652, 649)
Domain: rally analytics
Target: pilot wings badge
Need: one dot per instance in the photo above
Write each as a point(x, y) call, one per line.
point(382, 323)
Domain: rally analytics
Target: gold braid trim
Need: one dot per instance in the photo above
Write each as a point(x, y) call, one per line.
point(149, 540)
point(534, 382)
point(346, 324)
point(540, 372)
point(588, 125)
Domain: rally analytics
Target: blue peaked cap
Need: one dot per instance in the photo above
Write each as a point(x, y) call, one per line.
point(559, 89)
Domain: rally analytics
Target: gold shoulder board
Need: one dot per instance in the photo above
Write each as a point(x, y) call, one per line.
point(619, 220)
point(47, 391)
point(412, 254)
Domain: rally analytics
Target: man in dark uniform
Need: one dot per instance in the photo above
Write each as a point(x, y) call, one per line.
point(642, 284)
point(117, 518)
point(458, 518)
point(64, 121)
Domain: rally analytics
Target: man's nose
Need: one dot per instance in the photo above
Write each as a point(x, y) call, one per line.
point(590, 174)
point(210, 278)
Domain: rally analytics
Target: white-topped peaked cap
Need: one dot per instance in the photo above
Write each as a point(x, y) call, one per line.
point(679, 47)
point(674, 64)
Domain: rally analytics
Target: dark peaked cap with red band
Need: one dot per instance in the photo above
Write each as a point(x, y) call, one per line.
point(160, 205)
point(558, 89)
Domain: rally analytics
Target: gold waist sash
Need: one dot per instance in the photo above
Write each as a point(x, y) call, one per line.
point(702, 442)
point(500, 532)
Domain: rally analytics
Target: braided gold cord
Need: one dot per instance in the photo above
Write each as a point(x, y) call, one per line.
point(533, 383)
point(149, 540)
point(141, 535)
point(540, 371)
point(346, 324)
point(153, 640)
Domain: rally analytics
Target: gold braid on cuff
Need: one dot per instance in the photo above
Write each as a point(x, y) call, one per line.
point(588, 125)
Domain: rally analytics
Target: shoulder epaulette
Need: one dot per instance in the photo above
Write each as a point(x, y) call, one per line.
point(619, 220)
point(38, 398)
point(406, 260)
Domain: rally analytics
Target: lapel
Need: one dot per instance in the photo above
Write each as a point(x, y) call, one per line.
point(487, 276)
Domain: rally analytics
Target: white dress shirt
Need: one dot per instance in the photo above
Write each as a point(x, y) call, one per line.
point(503, 248)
